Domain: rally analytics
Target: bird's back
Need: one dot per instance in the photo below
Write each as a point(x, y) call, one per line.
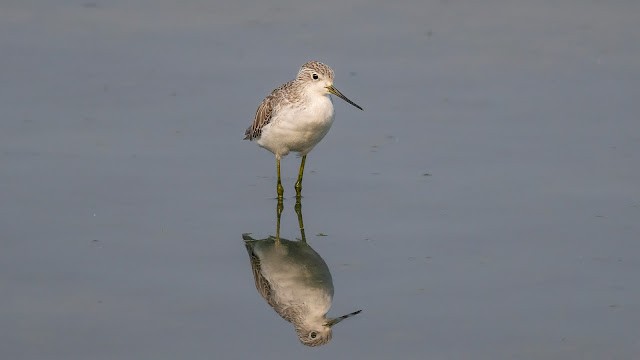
point(268, 108)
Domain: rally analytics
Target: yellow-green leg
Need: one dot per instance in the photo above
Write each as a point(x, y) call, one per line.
point(279, 188)
point(299, 182)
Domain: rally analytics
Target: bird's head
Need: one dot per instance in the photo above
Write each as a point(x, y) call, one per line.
point(320, 334)
point(318, 78)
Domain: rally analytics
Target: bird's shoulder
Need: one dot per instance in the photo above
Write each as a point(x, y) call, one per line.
point(281, 95)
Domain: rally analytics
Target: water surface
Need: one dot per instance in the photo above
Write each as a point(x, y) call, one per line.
point(485, 205)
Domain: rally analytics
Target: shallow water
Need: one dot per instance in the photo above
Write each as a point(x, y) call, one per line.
point(485, 205)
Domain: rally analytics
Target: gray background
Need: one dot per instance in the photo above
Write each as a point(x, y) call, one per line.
point(125, 186)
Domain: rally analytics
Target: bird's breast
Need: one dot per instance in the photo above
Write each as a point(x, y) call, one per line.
point(314, 115)
point(299, 127)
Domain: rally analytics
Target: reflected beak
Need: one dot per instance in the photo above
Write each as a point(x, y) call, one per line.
point(332, 322)
point(334, 91)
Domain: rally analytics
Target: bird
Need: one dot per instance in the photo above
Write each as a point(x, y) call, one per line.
point(296, 116)
point(296, 282)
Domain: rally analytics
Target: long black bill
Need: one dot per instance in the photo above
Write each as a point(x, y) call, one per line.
point(337, 93)
point(332, 322)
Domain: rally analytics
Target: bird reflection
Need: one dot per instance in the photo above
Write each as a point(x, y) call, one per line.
point(295, 282)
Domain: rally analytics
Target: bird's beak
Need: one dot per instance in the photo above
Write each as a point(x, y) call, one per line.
point(332, 322)
point(334, 91)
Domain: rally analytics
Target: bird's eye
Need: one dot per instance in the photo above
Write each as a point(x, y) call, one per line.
point(313, 334)
point(315, 76)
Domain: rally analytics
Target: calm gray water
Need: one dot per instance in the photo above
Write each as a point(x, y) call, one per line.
point(485, 205)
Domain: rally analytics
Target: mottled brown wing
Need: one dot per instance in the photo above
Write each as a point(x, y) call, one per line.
point(263, 117)
point(262, 285)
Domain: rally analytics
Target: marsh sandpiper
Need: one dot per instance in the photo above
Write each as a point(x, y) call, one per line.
point(296, 116)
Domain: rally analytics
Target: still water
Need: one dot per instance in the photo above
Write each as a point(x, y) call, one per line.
point(486, 205)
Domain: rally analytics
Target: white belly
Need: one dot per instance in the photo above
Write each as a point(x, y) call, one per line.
point(298, 129)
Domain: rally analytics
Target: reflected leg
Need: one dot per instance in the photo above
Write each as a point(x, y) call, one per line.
point(298, 209)
point(279, 187)
point(278, 214)
point(299, 182)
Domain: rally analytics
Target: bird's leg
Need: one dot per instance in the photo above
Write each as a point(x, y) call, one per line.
point(279, 188)
point(299, 182)
point(278, 213)
point(298, 209)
